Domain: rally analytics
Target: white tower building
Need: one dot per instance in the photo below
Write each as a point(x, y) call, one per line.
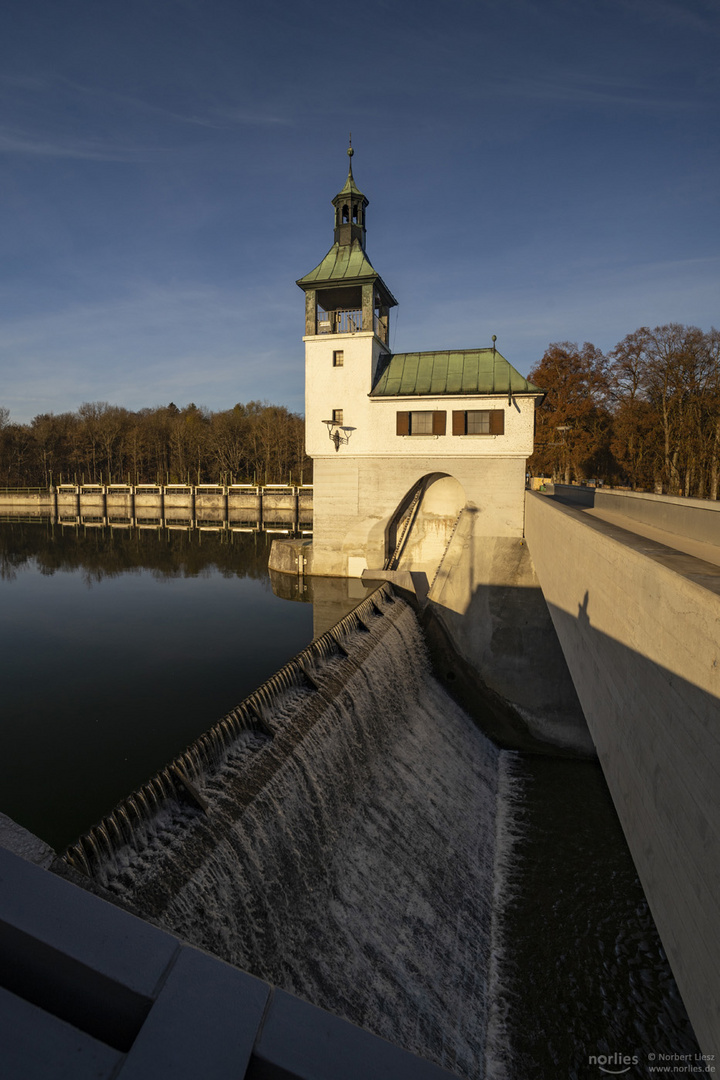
point(402, 443)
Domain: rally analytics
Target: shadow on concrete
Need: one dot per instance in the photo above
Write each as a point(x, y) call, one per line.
point(527, 700)
point(572, 495)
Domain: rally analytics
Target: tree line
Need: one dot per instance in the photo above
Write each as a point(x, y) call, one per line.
point(646, 415)
point(101, 443)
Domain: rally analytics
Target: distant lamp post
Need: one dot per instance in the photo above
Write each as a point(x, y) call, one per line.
point(562, 430)
point(337, 433)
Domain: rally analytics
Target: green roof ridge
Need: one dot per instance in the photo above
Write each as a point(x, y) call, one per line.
point(450, 372)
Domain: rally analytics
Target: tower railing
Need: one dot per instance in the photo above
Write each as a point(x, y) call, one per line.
point(340, 321)
point(347, 321)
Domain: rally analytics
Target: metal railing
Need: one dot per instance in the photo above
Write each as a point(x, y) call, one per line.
point(341, 321)
point(162, 489)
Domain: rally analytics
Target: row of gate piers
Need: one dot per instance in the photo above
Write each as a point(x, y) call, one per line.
point(239, 507)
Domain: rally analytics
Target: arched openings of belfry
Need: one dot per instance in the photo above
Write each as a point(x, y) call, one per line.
point(349, 214)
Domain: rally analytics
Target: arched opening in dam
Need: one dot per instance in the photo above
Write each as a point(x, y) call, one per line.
point(423, 523)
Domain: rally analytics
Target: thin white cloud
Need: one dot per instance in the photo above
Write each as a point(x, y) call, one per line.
point(241, 115)
point(38, 145)
point(137, 104)
point(578, 88)
point(32, 137)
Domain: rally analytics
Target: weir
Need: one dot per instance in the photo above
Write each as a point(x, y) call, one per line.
point(344, 834)
point(239, 507)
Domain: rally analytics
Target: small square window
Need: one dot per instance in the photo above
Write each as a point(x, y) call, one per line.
point(338, 358)
point(337, 416)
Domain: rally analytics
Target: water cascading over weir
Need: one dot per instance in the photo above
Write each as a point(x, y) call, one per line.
point(344, 834)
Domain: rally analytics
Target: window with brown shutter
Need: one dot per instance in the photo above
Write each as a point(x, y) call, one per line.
point(422, 422)
point(478, 422)
point(497, 421)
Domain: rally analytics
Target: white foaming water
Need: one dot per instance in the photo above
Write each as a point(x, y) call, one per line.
point(368, 871)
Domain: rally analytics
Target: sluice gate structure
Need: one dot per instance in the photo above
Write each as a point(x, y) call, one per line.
point(243, 507)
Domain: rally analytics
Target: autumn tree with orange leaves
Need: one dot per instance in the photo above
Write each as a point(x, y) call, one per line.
point(573, 422)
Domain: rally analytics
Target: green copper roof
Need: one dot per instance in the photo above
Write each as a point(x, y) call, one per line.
point(468, 371)
point(342, 263)
point(350, 188)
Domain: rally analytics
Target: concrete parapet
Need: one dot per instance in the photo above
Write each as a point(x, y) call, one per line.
point(639, 625)
point(695, 519)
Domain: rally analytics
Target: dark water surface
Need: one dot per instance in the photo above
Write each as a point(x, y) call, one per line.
point(117, 648)
point(589, 976)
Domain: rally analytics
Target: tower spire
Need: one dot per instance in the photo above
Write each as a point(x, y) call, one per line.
point(350, 204)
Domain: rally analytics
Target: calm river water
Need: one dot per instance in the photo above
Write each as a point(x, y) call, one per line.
point(118, 647)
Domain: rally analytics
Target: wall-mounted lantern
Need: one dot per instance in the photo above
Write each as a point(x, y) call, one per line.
point(337, 433)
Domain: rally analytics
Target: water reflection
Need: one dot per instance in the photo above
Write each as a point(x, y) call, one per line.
point(118, 647)
point(331, 598)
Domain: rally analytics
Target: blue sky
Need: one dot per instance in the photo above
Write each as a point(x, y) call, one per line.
point(543, 170)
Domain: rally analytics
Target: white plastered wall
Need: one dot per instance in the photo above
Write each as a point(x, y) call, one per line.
point(358, 488)
point(370, 423)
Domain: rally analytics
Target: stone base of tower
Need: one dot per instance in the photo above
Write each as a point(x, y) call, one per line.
point(359, 503)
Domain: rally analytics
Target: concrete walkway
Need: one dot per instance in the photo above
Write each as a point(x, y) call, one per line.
point(697, 548)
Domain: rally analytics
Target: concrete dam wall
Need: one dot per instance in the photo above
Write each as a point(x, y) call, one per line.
point(639, 626)
point(345, 835)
